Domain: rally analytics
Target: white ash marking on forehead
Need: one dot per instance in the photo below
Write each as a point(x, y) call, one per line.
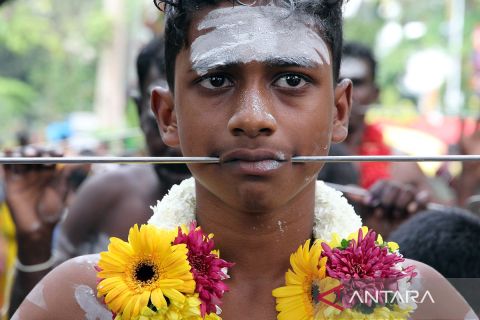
point(244, 34)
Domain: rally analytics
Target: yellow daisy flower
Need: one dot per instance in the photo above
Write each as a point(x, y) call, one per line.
point(146, 269)
point(305, 283)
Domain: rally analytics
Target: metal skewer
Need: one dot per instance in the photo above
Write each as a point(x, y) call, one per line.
point(124, 160)
point(442, 158)
point(176, 160)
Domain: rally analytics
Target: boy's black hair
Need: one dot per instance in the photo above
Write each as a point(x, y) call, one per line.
point(448, 241)
point(178, 16)
point(151, 55)
point(359, 50)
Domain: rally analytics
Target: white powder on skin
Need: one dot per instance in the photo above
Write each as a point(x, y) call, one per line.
point(252, 104)
point(243, 34)
point(86, 299)
point(259, 108)
point(37, 297)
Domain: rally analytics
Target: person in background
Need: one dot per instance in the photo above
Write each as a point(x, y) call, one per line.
point(8, 245)
point(366, 139)
point(107, 204)
point(395, 190)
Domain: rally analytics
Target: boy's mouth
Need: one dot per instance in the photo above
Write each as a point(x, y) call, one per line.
point(253, 161)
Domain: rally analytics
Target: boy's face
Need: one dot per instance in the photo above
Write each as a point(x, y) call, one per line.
point(254, 97)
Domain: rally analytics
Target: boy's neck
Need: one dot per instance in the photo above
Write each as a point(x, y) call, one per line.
point(259, 243)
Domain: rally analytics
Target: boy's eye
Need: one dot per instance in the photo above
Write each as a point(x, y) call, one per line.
point(291, 81)
point(215, 82)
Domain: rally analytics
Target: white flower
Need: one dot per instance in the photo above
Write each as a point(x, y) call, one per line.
point(176, 208)
point(333, 214)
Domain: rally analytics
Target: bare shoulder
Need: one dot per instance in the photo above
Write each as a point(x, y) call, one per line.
point(67, 292)
point(120, 180)
point(123, 196)
point(436, 298)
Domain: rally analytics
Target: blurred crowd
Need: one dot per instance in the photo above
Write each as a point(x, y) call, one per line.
point(50, 213)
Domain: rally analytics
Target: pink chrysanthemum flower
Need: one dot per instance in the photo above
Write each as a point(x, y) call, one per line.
point(207, 268)
point(363, 267)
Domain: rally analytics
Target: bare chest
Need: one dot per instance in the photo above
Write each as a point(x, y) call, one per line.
point(249, 302)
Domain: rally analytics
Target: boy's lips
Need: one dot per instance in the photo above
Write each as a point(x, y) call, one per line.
point(253, 161)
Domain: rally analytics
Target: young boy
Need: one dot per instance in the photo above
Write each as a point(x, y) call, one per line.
point(254, 85)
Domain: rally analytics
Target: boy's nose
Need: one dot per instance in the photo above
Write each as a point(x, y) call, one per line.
point(252, 117)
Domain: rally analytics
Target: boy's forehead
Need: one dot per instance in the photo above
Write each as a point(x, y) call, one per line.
point(241, 34)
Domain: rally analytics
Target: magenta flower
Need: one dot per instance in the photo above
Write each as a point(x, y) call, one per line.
point(366, 270)
point(207, 268)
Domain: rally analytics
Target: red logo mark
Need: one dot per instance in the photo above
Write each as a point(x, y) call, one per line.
point(322, 295)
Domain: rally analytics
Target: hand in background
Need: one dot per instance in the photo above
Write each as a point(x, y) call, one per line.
point(35, 195)
point(386, 204)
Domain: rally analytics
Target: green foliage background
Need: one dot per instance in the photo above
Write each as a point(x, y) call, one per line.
point(434, 13)
point(47, 60)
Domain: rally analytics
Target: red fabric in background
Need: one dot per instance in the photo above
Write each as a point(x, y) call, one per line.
point(373, 144)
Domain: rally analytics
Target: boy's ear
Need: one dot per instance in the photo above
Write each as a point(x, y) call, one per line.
point(163, 109)
point(343, 106)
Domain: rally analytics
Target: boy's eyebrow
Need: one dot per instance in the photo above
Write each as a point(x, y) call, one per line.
point(302, 62)
point(274, 62)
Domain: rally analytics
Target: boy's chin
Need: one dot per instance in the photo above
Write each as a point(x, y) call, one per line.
point(257, 197)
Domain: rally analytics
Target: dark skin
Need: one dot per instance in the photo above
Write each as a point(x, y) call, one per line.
point(229, 202)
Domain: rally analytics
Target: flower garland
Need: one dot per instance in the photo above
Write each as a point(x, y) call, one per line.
point(333, 213)
point(169, 269)
point(159, 274)
point(357, 277)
